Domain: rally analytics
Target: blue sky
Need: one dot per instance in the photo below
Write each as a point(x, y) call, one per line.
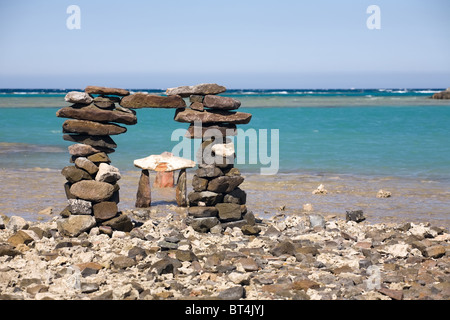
point(240, 44)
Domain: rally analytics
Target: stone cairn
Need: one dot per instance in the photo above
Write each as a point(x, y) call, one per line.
point(217, 201)
point(91, 188)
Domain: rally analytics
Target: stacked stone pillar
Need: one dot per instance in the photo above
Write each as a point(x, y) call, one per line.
point(92, 187)
point(216, 199)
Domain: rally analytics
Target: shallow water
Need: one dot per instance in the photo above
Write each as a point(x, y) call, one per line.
point(26, 192)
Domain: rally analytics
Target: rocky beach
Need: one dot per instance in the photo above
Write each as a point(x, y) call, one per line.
point(307, 256)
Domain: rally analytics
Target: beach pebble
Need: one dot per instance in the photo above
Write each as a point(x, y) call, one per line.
point(320, 190)
point(16, 223)
point(383, 194)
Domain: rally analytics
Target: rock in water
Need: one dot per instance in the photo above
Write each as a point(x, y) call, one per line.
point(384, 194)
point(91, 190)
point(143, 100)
point(200, 89)
point(442, 95)
point(320, 190)
point(78, 97)
point(357, 216)
point(106, 91)
point(92, 128)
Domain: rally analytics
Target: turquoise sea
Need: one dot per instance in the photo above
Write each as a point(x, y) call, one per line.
point(395, 132)
point(354, 141)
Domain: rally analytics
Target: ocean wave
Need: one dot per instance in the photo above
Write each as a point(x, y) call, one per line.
point(426, 91)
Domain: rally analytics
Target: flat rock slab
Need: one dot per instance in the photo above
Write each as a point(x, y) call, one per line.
point(106, 91)
point(163, 162)
point(143, 100)
point(92, 190)
point(200, 89)
point(223, 103)
point(92, 128)
point(93, 113)
point(212, 116)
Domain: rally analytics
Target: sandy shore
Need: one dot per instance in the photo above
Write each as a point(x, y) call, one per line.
point(27, 192)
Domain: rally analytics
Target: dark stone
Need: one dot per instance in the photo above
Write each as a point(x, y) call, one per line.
point(137, 253)
point(120, 223)
point(234, 293)
point(104, 102)
point(74, 174)
point(123, 262)
point(166, 265)
point(229, 211)
point(285, 247)
point(225, 184)
point(144, 196)
point(209, 171)
point(209, 198)
point(186, 255)
point(203, 224)
point(203, 212)
point(181, 189)
point(105, 210)
point(237, 196)
point(356, 216)
point(199, 184)
point(250, 230)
